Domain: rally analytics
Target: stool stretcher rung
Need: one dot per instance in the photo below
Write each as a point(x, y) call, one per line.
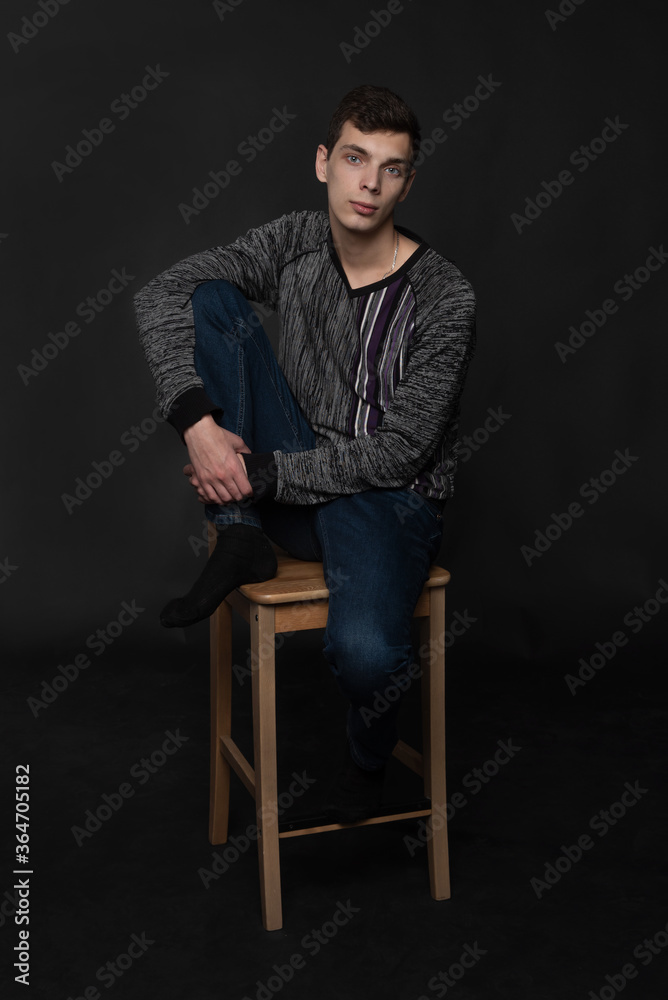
point(408, 756)
point(238, 762)
point(326, 827)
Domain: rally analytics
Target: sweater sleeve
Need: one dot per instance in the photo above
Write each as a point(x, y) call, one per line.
point(424, 409)
point(165, 317)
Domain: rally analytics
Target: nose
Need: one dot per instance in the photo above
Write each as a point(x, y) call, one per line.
point(371, 180)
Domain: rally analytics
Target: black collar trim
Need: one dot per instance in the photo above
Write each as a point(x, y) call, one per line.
point(391, 278)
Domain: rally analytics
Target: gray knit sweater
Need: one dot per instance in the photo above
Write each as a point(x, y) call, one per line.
point(377, 371)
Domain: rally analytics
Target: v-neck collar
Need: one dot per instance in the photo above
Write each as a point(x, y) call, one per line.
point(383, 282)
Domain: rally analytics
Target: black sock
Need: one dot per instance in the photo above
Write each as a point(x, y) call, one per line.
point(355, 793)
point(243, 554)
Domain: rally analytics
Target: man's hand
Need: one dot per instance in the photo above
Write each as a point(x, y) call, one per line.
point(216, 470)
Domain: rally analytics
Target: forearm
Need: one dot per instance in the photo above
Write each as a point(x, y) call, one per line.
point(166, 326)
point(383, 461)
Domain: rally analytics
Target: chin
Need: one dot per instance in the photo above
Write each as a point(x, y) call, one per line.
point(364, 223)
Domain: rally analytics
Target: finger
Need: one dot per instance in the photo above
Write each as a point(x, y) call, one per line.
point(217, 493)
point(241, 484)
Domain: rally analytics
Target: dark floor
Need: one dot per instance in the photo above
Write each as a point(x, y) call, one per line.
point(358, 917)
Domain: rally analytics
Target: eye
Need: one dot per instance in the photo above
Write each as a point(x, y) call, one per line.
point(351, 156)
point(396, 170)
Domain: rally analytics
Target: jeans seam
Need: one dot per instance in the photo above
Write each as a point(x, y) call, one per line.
point(279, 395)
point(242, 392)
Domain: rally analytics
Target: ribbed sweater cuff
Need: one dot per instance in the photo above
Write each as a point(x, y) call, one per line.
point(262, 475)
point(189, 407)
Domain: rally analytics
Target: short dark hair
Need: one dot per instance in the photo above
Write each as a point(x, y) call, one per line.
point(374, 109)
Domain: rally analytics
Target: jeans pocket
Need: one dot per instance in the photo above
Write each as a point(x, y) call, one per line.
point(418, 500)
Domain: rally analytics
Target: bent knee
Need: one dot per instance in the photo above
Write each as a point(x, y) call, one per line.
point(216, 296)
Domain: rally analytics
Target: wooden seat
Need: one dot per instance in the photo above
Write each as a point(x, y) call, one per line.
point(297, 599)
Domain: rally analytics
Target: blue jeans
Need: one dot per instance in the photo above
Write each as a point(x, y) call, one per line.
point(376, 546)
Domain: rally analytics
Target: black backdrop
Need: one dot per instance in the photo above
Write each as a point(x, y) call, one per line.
point(564, 247)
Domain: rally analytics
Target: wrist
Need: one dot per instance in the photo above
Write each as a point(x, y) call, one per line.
point(262, 474)
point(204, 424)
point(189, 408)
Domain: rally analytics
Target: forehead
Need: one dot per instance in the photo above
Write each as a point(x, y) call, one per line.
point(383, 145)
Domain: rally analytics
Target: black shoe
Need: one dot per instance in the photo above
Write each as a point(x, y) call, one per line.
point(355, 793)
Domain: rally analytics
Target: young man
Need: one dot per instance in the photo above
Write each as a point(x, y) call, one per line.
point(344, 449)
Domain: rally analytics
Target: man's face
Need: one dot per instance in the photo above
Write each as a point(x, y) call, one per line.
point(366, 174)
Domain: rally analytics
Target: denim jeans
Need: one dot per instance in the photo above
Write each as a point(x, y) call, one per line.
point(376, 546)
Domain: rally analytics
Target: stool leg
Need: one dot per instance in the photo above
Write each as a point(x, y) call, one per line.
point(433, 704)
point(425, 647)
point(264, 738)
point(221, 721)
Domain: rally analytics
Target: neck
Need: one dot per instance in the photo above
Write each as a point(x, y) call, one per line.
point(364, 251)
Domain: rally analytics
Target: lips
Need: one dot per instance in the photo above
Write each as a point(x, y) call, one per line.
point(362, 208)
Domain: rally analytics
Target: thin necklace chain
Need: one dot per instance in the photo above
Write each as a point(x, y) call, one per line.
point(396, 251)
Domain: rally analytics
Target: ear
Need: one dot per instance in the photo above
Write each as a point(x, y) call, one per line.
point(407, 185)
point(321, 163)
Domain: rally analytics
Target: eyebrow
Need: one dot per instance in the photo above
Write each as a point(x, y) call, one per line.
point(392, 159)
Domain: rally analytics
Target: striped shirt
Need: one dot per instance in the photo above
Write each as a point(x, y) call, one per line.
point(378, 371)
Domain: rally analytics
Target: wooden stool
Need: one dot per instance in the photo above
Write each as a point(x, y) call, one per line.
point(297, 599)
